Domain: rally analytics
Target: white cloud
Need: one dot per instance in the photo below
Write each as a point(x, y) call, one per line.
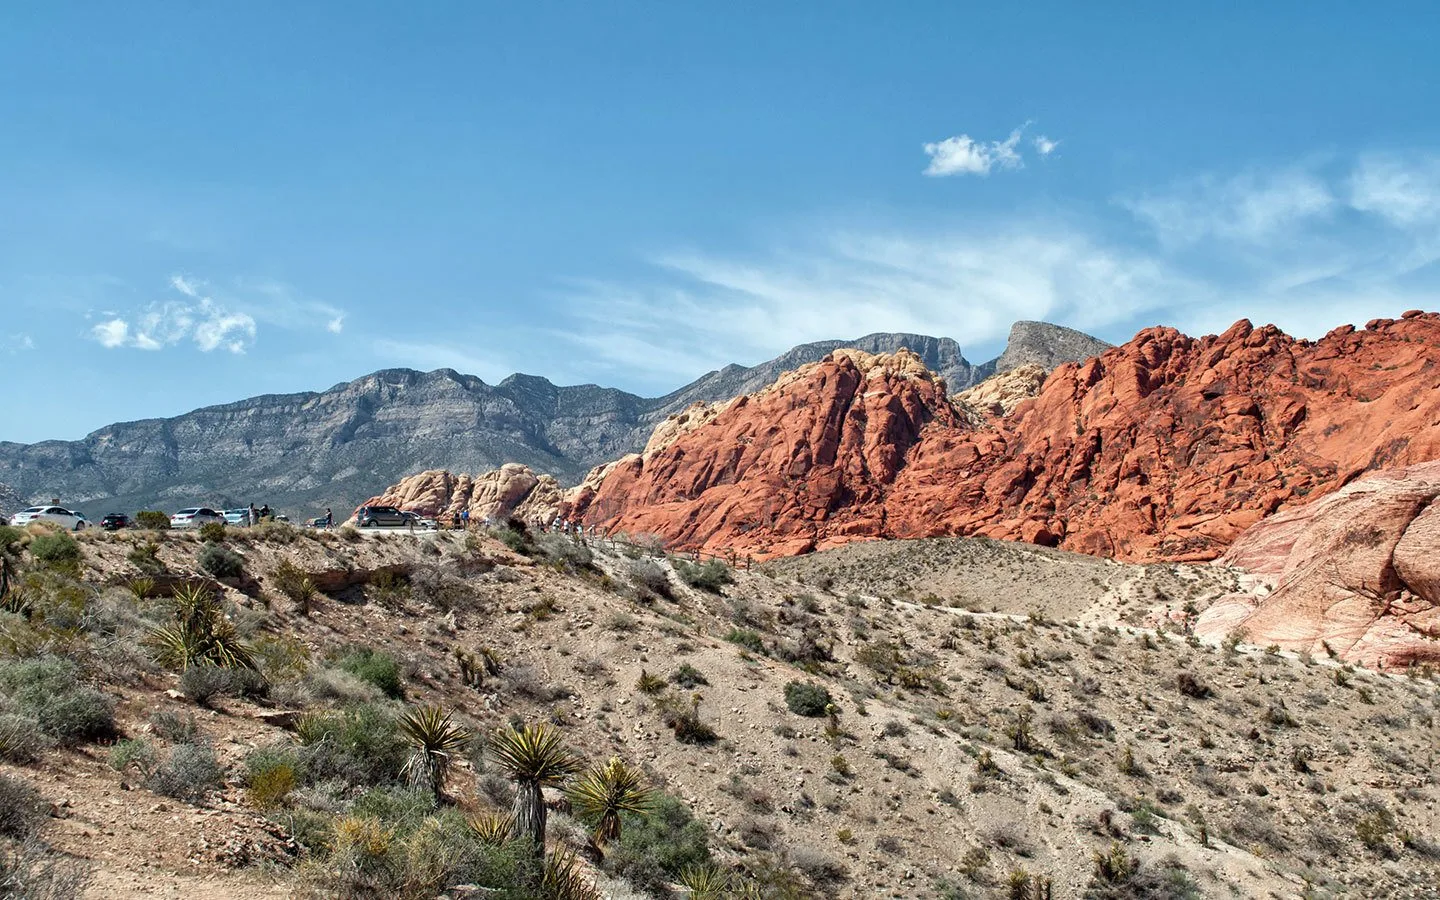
point(112, 333)
point(197, 318)
point(335, 325)
point(962, 155)
point(17, 343)
point(1044, 145)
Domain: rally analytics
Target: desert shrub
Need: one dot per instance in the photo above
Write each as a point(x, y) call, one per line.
point(655, 849)
point(650, 577)
point(21, 810)
point(1192, 686)
point(291, 581)
point(20, 739)
point(807, 699)
point(688, 677)
point(152, 519)
point(746, 638)
point(272, 532)
point(375, 667)
point(55, 548)
point(48, 690)
point(649, 684)
point(219, 560)
point(271, 773)
point(1116, 875)
point(188, 773)
point(440, 588)
point(138, 754)
point(11, 538)
point(213, 532)
point(145, 556)
point(711, 575)
point(199, 633)
point(175, 727)
point(564, 554)
point(201, 684)
point(684, 719)
point(358, 746)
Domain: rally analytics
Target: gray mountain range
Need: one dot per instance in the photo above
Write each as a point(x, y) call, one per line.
point(302, 452)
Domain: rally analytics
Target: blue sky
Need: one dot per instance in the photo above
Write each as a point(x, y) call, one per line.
point(203, 202)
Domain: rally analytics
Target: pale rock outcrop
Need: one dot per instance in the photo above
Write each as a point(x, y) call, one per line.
point(1000, 394)
point(1353, 573)
point(511, 490)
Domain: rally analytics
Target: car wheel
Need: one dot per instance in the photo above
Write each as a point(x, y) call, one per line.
point(368, 523)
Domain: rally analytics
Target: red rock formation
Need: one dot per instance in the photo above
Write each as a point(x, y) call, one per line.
point(1353, 572)
point(1167, 447)
point(509, 490)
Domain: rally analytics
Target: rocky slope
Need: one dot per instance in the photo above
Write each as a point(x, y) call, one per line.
point(337, 447)
point(1353, 574)
point(1164, 448)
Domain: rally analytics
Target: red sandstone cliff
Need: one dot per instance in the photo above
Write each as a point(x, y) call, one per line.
point(1164, 448)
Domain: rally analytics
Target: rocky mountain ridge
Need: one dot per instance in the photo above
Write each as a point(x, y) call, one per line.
point(336, 447)
point(1166, 447)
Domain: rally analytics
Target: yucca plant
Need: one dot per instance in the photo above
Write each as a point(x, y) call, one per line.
point(200, 634)
point(435, 741)
point(561, 879)
point(535, 759)
point(490, 828)
point(708, 882)
point(604, 792)
point(141, 588)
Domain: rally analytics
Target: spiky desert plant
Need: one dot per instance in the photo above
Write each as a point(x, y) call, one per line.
point(435, 741)
point(490, 828)
point(708, 882)
point(200, 634)
point(141, 588)
point(561, 879)
point(534, 758)
point(604, 792)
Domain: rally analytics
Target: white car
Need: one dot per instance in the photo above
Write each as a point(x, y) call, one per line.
point(71, 521)
point(195, 516)
point(237, 516)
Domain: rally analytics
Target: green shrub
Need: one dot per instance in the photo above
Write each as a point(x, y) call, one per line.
point(650, 577)
point(359, 746)
point(219, 560)
point(656, 848)
point(189, 773)
point(146, 557)
point(271, 773)
point(688, 677)
point(807, 699)
point(177, 728)
point(565, 554)
point(56, 548)
point(138, 754)
point(375, 667)
point(153, 519)
point(10, 538)
point(213, 532)
point(48, 690)
point(710, 575)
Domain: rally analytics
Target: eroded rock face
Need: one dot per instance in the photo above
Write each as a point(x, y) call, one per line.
point(511, 490)
point(1167, 447)
point(1353, 573)
point(999, 395)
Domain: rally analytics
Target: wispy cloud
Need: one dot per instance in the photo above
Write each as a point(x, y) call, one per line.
point(1303, 247)
point(963, 155)
point(1044, 145)
point(1254, 206)
point(17, 343)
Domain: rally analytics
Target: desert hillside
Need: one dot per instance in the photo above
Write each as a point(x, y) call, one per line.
point(946, 718)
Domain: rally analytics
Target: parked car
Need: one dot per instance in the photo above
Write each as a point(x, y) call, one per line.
point(371, 516)
point(195, 516)
point(115, 521)
point(71, 521)
point(237, 516)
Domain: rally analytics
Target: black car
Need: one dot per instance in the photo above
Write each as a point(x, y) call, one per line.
point(115, 521)
point(370, 516)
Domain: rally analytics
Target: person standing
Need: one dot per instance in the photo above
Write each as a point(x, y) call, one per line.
point(329, 518)
point(254, 516)
point(465, 519)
